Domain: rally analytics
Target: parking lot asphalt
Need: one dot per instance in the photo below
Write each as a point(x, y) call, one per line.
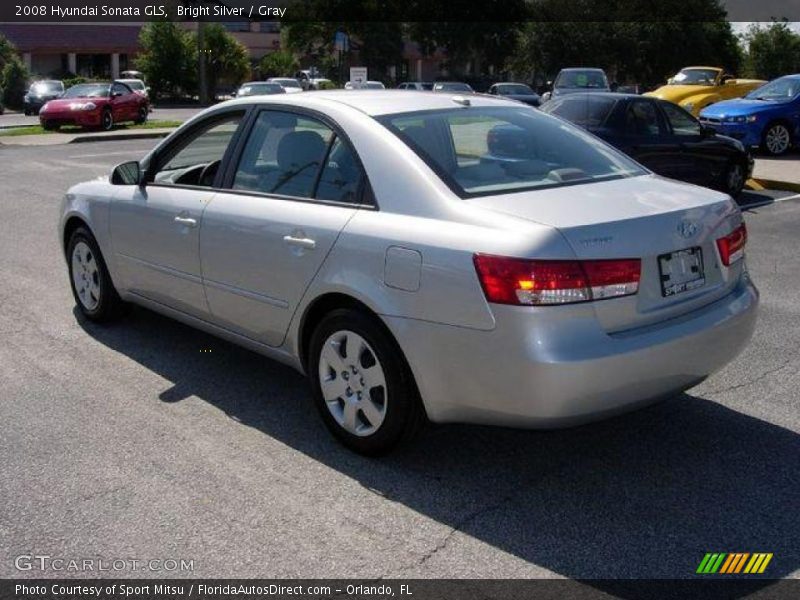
point(150, 440)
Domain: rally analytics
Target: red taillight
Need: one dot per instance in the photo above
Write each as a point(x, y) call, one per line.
point(535, 282)
point(731, 247)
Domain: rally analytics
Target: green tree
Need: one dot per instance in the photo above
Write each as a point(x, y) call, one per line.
point(226, 58)
point(7, 51)
point(278, 64)
point(169, 59)
point(772, 51)
point(14, 83)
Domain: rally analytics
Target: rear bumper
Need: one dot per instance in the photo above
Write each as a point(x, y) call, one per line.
point(539, 368)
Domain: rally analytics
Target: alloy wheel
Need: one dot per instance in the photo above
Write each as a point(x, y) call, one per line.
point(735, 179)
point(353, 383)
point(108, 120)
point(777, 139)
point(86, 276)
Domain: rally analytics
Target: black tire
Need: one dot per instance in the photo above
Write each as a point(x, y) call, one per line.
point(733, 179)
point(109, 306)
point(144, 112)
point(777, 131)
point(27, 112)
point(404, 414)
point(107, 120)
point(48, 126)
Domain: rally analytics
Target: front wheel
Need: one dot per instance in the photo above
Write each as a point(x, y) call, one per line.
point(94, 293)
point(107, 120)
point(734, 179)
point(777, 139)
point(361, 384)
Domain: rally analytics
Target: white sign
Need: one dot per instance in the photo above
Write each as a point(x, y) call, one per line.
point(358, 74)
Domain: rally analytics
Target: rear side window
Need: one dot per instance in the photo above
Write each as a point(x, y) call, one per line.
point(641, 119)
point(298, 156)
point(586, 111)
point(486, 150)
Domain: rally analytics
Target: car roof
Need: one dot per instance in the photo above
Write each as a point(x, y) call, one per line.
point(381, 102)
point(583, 69)
point(612, 95)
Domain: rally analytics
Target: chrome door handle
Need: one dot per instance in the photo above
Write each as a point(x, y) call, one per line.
point(188, 221)
point(307, 243)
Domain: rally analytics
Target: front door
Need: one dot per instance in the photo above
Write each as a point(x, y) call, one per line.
point(701, 162)
point(155, 227)
point(297, 184)
point(645, 139)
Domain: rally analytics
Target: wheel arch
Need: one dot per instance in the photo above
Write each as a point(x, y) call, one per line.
point(72, 223)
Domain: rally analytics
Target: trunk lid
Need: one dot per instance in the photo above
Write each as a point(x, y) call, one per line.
point(647, 218)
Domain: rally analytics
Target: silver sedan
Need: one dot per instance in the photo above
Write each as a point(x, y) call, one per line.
point(421, 257)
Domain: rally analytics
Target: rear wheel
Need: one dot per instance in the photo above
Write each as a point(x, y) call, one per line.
point(48, 126)
point(777, 139)
point(143, 114)
point(361, 384)
point(107, 120)
point(94, 293)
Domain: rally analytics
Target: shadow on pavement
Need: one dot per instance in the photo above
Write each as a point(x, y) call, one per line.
point(644, 495)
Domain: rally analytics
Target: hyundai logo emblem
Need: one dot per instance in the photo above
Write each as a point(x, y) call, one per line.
point(688, 229)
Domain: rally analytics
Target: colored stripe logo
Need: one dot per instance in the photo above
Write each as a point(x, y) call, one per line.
point(734, 563)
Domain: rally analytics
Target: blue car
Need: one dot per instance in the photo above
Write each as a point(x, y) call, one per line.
point(768, 117)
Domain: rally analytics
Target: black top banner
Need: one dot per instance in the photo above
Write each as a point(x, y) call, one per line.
point(56, 11)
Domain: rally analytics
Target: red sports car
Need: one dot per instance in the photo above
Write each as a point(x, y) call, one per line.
point(95, 105)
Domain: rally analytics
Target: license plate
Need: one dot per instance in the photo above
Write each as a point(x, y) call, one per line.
point(681, 271)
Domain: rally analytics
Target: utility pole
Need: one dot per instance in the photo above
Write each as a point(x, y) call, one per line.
point(201, 47)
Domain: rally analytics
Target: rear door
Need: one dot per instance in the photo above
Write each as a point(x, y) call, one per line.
point(294, 187)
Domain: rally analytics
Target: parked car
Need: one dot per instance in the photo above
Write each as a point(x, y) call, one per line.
point(662, 136)
point(575, 80)
point(290, 85)
point(259, 88)
point(381, 244)
point(137, 85)
point(95, 105)
point(516, 91)
point(452, 86)
point(40, 93)
point(694, 88)
point(416, 85)
point(768, 117)
point(364, 85)
point(310, 80)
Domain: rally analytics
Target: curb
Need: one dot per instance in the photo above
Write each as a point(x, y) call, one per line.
point(131, 135)
point(757, 183)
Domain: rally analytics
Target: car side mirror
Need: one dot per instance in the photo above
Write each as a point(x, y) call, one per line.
point(129, 173)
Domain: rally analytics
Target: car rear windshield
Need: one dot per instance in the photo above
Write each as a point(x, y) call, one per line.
point(481, 151)
point(586, 110)
point(88, 90)
point(582, 79)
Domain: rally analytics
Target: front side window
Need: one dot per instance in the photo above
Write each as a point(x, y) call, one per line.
point(121, 89)
point(298, 156)
point(195, 159)
point(681, 122)
point(484, 151)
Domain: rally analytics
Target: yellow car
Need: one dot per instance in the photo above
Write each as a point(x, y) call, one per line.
point(694, 88)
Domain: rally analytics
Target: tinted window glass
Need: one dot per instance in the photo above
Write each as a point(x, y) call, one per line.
point(195, 160)
point(120, 88)
point(341, 178)
point(283, 155)
point(641, 119)
point(682, 123)
point(586, 111)
point(495, 150)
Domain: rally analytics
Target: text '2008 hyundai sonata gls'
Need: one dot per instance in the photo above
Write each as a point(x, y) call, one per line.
point(422, 256)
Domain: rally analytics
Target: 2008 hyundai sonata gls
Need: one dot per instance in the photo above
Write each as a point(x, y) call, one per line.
point(422, 256)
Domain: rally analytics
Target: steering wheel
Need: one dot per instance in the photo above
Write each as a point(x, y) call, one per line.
point(208, 174)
